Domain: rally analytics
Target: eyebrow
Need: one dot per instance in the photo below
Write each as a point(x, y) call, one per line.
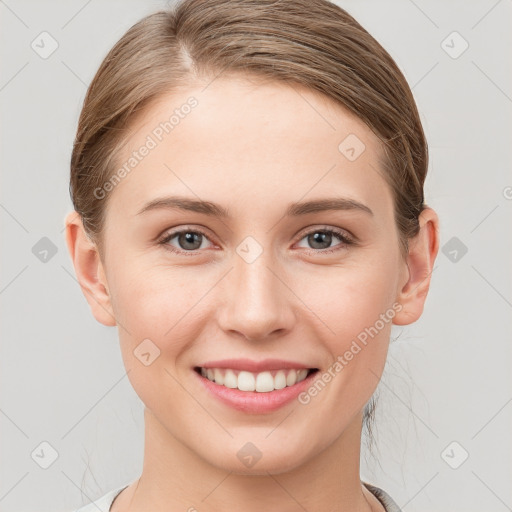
point(216, 210)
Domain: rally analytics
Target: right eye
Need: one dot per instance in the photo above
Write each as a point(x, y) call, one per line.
point(188, 240)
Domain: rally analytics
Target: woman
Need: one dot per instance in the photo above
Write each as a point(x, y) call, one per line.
point(247, 178)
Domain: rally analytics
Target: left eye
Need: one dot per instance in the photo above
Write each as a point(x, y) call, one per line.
point(324, 237)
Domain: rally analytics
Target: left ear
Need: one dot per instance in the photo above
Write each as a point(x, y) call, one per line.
point(423, 250)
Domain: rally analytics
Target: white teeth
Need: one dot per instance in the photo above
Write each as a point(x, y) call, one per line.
point(219, 378)
point(291, 378)
point(246, 381)
point(280, 380)
point(262, 382)
point(302, 374)
point(230, 379)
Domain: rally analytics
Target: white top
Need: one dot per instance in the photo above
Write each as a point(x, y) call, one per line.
point(104, 503)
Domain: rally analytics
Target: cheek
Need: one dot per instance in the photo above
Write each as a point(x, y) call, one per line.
point(356, 309)
point(156, 309)
point(164, 304)
point(170, 306)
point(159, 304)
point(349, 301)
point(143, 297)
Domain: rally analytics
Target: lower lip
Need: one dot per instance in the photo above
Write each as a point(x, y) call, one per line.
point(253, 401)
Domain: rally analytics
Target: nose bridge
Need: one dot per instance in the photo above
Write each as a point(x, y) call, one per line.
point(255, 301)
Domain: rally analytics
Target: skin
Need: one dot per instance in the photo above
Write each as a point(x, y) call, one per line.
point(254, 150)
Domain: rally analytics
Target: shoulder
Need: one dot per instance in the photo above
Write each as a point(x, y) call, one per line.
point(102, 504)
point(386, 500)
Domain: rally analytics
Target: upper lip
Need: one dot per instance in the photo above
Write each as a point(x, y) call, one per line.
point(255, 366)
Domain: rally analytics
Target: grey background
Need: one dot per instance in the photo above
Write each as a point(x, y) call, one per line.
point(448, 376)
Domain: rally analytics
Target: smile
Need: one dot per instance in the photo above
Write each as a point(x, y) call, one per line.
point(262, 382)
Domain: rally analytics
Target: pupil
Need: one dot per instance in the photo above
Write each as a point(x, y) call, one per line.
point(318, 238)
point(189, 239)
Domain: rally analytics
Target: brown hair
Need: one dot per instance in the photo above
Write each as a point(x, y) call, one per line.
point(313, 43)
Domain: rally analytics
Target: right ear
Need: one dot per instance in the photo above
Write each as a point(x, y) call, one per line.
point(89, 270)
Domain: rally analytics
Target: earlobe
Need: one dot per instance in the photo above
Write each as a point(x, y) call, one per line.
point(420, 263)
point(89, 270)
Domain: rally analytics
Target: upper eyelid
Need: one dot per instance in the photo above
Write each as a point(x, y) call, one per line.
point(171, 233)
point(307, 231)
point(336, 230)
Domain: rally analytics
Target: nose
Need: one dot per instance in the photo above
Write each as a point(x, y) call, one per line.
point(256, 301)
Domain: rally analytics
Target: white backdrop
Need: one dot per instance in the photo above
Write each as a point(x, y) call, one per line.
point(444, 413)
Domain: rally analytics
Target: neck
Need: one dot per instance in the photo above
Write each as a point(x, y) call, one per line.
point(175, 478)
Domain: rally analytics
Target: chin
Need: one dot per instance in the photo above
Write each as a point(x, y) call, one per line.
point(250, 460)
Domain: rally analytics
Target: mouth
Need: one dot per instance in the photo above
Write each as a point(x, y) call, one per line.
point(255, 387)
point(259, 382)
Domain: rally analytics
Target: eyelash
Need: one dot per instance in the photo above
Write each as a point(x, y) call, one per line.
point(345, 239)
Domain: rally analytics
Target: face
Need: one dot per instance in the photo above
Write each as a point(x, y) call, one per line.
point(270, 286)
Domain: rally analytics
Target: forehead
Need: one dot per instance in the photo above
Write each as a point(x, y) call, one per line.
point(239, 141)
